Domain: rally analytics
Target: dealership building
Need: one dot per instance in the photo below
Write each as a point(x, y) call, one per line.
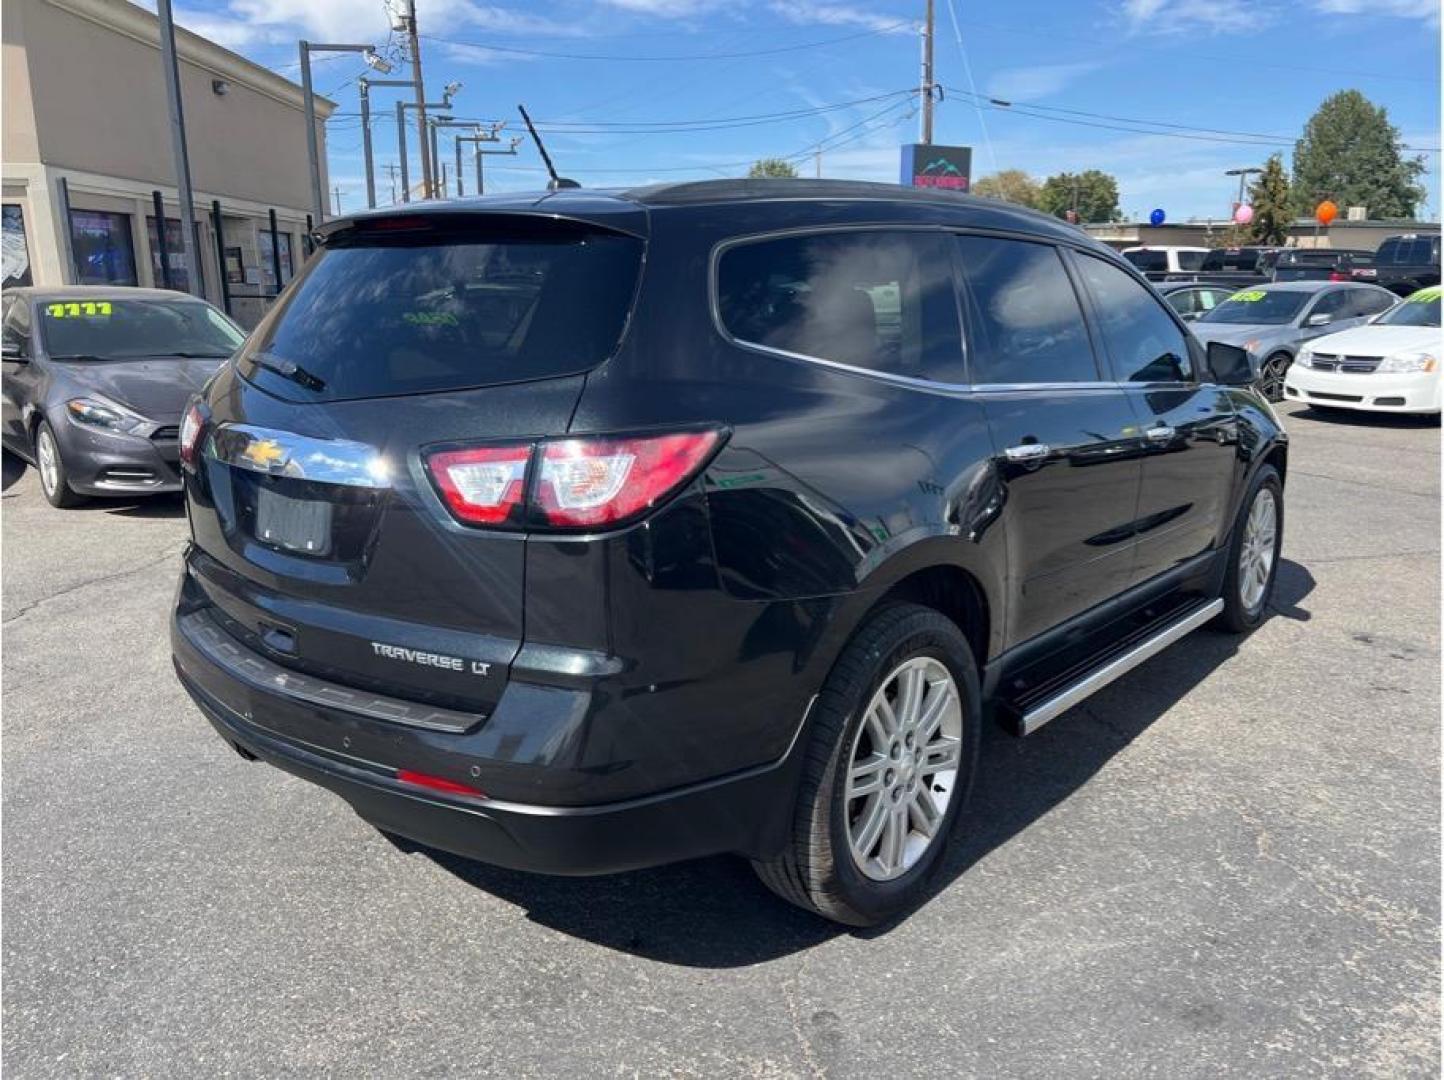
point(87, 157)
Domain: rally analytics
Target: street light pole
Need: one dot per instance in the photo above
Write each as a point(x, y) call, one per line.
point(318, 199)
point(1243, 175)
point(178, 146)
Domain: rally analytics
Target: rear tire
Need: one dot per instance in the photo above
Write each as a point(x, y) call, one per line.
point(1253, 554)
point(54, 480)
point(895, 732)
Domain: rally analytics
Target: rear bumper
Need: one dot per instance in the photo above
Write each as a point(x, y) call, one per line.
point(748, 813)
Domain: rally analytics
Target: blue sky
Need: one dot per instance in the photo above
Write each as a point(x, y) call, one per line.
point(1201, 85)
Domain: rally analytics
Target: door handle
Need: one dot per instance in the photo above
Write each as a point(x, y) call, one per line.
point(1027, 452)
point(1160, 433)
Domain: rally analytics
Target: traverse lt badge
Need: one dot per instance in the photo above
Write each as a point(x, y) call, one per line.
point(430, 659)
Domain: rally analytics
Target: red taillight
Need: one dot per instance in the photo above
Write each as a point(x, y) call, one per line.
point(192, 423)
point(592, 481)
point(585, 482)
point(482, 485)
point(436, 783)
point(1334, 275)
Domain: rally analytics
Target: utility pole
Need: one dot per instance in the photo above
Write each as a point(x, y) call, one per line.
point(817, 163)
point(414, 44)
point(178, 146)
point(365, 88)
point(926, 90)
point(391, 171)
point(336, 193)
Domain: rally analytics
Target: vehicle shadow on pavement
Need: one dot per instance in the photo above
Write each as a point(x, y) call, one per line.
point(713, 913)
point(170, 505)
point(1361, 419)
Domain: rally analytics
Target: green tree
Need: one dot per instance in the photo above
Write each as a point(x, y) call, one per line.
point(1350, 153)
point(1012, 185)
point(1092, 193)
point(772, 167)
point(1272, 207)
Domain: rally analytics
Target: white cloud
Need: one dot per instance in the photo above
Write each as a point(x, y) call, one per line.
point(1178, 16)
point(806, 13)
point(1425, 10)
point(666, 9)
point(1030, 83)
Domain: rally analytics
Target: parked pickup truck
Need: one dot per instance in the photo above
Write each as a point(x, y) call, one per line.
point(1320, 264)
point(1403, 264)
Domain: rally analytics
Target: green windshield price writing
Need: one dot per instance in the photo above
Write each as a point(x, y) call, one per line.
point(77, 310)
point(1426, 296)
point(1248, 296)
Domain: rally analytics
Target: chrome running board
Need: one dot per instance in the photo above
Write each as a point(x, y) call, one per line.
point(1099, 677)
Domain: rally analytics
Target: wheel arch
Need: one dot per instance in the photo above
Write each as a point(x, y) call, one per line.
point(946, 574)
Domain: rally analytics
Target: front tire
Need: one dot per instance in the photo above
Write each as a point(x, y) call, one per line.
point(889, 765)
point(1253, 554)
point(54, 480)
point(1271, 376)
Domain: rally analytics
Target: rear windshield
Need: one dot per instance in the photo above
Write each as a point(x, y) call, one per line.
point(410, 316)
point(115, 329)
point(1257, 306)
point(1190, 260)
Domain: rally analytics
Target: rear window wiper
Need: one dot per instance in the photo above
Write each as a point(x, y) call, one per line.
point(76, 356)
point(288, 369)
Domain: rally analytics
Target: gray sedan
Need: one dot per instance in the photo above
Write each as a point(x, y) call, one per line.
point(1273, 321)
point(95, 381)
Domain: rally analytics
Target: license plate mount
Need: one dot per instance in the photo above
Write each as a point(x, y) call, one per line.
point(299, 525)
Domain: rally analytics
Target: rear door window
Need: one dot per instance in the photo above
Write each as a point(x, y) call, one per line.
point(1147, 260)
point(880, 300)
point(1366, 302)
point(1190, 260)
point(1146, 345)
point(420, 313)
point(1030, 326)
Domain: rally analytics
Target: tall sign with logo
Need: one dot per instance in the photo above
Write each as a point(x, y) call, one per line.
point(946, 167)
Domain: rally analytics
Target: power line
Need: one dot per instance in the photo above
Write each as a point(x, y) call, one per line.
point(1177, 131)
point(887, 29)
point(968, 70)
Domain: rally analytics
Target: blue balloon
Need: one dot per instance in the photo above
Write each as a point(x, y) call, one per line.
point(1156, 218)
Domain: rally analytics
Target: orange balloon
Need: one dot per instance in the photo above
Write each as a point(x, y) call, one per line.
point(1326, 212)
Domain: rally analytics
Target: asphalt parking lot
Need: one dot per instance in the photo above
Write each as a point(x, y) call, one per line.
point(1226, 862)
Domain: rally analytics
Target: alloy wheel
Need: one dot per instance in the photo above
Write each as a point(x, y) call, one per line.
point(1271, 378)
point(903, 768)
point(48, 458)
point(1256, 553)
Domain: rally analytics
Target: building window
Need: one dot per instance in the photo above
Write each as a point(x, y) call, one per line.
point(175, 256)
point(268, 264)
point(13, 248)
point(104, 250)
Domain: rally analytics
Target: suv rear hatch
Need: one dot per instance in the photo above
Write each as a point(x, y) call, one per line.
point(322, 541)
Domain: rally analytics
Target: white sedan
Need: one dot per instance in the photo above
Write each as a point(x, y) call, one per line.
point(1391, 364)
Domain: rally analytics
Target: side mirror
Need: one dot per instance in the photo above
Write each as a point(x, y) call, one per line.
point(11, 351)
point(1229, 365)
point(1189, 316)
point(1321, 319)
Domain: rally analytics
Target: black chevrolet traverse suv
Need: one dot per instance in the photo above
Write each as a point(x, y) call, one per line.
point(587, 531)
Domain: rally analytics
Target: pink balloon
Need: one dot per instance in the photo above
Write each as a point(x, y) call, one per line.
point(1244, 214)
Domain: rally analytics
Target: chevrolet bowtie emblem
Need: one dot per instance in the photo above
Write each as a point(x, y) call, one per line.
point(264, 452)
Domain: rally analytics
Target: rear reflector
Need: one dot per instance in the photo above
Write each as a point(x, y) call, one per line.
point(590, 482)
point(482, 485)
point(437, 783)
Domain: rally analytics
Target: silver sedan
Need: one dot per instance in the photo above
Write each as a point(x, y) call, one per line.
point(1273, 321)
